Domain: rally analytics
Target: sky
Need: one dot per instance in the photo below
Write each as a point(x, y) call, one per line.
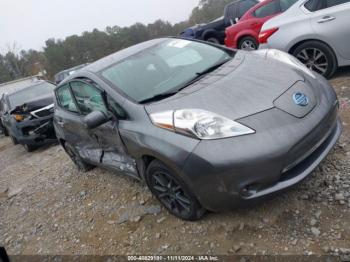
point(29, 23)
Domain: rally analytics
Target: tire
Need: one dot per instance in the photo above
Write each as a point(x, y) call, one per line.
point(172, 192)
point(6, 133)
point(213, 40)
point(324, 58)
point(14, 140)
point(248, 43)
point(29, 148)
point(77, 160)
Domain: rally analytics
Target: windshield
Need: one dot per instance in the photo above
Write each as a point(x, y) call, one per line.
point(163, 68)
point(31, 93)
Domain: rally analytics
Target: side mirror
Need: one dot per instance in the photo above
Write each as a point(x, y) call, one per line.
point(95, 119)
point(236, 20)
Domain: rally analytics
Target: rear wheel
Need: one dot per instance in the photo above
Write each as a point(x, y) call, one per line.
point(172, 192)
point(77, 160)
point(317, 57)
point(248, 44)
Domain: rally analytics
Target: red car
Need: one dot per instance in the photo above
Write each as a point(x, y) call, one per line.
point(245, 34)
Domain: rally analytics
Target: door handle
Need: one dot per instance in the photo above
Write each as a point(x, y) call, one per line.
point(326, 19)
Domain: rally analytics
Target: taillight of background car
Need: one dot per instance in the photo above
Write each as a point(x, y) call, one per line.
point(265, 35)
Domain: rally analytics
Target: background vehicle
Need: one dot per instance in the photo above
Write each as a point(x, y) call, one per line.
point(245, 34)
point(215, 31)
point(204, 130)
point(11, 87)
point(314, 31)
point(59, 77)
point(27, 114)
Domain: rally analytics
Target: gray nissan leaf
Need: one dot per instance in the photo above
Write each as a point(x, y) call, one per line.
point(207, 128)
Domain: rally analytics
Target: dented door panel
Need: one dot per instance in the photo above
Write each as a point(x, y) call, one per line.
point(114, 154)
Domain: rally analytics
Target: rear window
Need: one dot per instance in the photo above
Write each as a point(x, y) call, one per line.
point(244, 6)
point(267, 10)
point(316, 5)
point(330, 3)
point(285, 4)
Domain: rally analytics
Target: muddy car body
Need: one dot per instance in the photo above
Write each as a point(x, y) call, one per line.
point(27, 114)
point(219, 139)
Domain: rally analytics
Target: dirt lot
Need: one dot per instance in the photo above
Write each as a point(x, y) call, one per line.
point(48, 207)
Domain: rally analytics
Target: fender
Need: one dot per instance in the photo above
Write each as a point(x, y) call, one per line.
point(245, 33)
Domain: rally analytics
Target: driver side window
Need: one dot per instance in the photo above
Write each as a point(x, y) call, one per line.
point(88, 97)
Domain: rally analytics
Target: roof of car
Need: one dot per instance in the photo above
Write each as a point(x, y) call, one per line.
point(72, 69)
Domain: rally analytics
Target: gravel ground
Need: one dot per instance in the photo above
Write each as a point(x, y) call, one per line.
point(48, 207)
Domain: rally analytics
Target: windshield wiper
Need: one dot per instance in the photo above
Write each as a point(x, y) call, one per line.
point(158, 97)
point(199, 75)
point(213, 67)
point(188, 83)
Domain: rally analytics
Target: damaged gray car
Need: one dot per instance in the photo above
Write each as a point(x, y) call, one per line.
point(207, 128)
point(27, 114)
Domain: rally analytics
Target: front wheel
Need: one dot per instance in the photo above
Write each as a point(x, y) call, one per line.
point(317, 57)
point(248, 44)
point(29, 148)
point(14, 140)
point(213, 40)
point(6, 133)
point(172, 192)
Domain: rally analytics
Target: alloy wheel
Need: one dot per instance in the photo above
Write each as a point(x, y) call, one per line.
point(170, 193)
point(248, 45)
point(314, 59)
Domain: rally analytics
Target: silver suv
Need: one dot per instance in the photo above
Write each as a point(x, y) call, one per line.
point(315, 31)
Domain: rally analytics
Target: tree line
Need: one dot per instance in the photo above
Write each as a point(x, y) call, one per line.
point(60, 54)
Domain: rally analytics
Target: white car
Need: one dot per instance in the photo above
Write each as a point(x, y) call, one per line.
point(317, 32)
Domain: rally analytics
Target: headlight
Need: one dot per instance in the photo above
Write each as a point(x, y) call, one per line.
point(200, 124)
point(289, 59)
point(20, 118)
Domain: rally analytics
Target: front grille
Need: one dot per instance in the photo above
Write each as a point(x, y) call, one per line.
point(310, 159)
point(312, 141)
point(44, 113)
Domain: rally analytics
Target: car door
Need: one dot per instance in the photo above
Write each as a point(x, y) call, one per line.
point(331, 21)
point(69, 124)
point(113, 154)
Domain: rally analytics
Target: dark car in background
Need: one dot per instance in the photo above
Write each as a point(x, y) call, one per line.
point(27, 113)
point(59, 77)
point(206, 127)
point(214, 31)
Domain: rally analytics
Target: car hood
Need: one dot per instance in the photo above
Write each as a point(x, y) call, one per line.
point(248, 84)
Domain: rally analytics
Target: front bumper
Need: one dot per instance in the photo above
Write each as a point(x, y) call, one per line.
point(235, 172)
point(37, 132)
